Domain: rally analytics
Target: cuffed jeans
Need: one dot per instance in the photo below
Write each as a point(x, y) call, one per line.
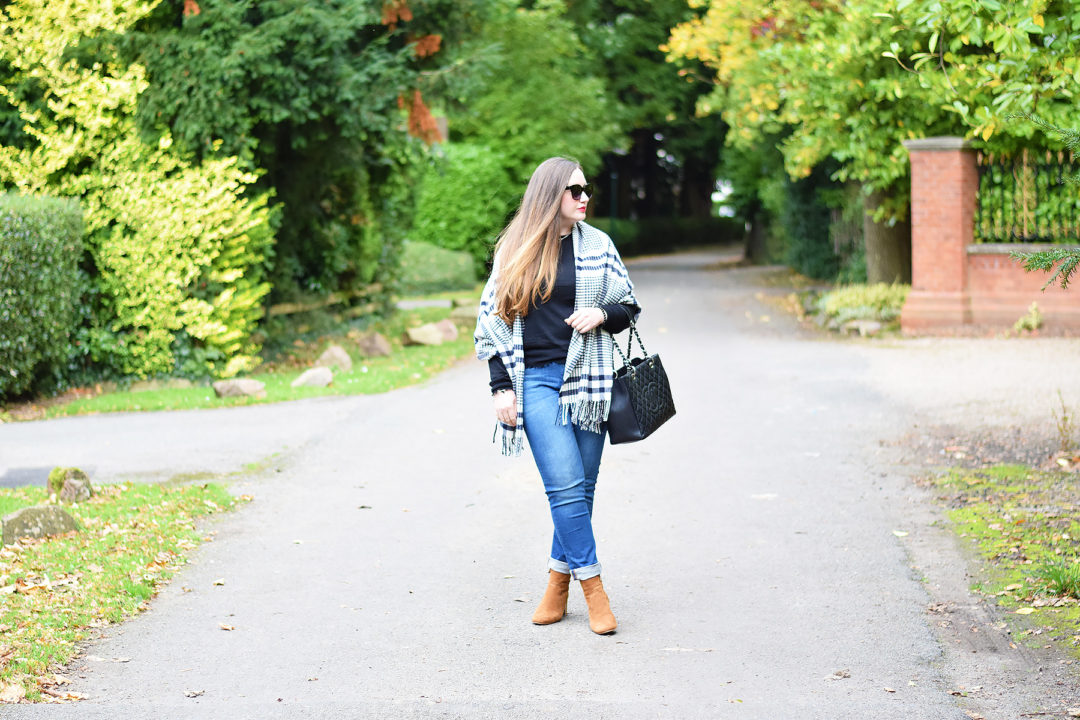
point(568, 459)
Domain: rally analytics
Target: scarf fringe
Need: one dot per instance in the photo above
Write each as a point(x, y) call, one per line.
point(586, 414)
point(511, 442)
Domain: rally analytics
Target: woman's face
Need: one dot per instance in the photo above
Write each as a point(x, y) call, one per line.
point(573, 210)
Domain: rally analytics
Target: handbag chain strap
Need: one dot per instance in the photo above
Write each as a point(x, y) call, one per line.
point(630, 344)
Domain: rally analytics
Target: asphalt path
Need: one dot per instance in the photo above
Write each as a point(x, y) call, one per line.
point(767, 552)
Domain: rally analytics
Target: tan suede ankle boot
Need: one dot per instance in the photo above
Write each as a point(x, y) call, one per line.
point(601, 619)
point(553, 604)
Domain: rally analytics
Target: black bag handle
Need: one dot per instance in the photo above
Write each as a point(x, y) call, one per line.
point(630, 344)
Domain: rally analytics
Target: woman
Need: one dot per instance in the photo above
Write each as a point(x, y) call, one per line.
point(556, 291)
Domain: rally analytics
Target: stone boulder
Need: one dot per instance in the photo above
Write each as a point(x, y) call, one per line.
point(448, 329)
point(335, 356)
point(240, 387)
point(424, 335)
point(315, 377)
point(374, 345)
point(36, 522)
point(864, 328)
point(70, 485)
point(432, 333)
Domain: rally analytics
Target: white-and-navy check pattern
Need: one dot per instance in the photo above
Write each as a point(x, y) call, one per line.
point(585, 396)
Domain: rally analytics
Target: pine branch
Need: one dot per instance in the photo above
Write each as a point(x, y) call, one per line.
point(1048, 260)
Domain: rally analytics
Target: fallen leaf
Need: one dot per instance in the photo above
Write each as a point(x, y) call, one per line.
point(12, 693)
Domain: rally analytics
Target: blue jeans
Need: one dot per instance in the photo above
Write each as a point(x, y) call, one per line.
point(568, 459)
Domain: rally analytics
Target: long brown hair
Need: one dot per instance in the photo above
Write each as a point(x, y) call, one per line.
point(527, 253)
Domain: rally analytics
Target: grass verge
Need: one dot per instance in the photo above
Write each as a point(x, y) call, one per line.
point(407, 365)
point(1023, 524)
point(55, 591)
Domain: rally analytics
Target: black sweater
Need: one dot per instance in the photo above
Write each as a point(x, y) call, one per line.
point(547, 336)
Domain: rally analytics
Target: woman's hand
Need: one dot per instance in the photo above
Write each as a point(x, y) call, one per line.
point(505, 407)
point(586, 319)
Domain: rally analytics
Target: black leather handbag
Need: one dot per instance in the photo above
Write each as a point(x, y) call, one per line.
point(640, 395)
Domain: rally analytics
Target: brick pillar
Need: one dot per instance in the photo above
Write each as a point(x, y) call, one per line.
point(944, 185)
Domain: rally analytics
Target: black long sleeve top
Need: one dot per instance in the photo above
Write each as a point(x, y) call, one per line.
point(546, 334)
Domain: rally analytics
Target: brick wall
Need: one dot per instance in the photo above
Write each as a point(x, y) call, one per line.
point(1000, 291)
point(954, 282)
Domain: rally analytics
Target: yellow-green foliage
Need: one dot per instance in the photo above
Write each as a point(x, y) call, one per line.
point(178, 249)
point(880, 301)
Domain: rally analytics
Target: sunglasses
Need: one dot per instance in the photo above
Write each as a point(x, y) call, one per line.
point(576, 190)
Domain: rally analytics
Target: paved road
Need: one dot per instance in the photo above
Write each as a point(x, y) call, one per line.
point(390, 561)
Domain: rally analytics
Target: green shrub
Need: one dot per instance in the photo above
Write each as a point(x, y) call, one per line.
point(465, 198)
point(426, 268)
point(881, 302)
point(39, 287)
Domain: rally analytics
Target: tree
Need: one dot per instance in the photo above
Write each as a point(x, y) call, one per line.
point(998, 64)
point(530, 99)
point(314, 96)
point(670, 166)
point(816, 71)
point(175, 247)
point(536, 98)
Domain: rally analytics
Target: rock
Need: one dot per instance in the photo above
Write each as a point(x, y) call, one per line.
point(865, 328)
point(448, 329)
point(315, 377)
point(465, 313)
point(76, 490)
point(335, 356)
point(429, 334)
point(37, 521)
point(240, 387)
point(374, 345)
point(70, 485)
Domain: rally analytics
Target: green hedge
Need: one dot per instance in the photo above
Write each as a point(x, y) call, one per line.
point(428, 269)
point(464, 199)
point(40, 247)
point(667, 234)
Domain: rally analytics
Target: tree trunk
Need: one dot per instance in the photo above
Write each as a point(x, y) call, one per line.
point(888, 246)
point(757, 252)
